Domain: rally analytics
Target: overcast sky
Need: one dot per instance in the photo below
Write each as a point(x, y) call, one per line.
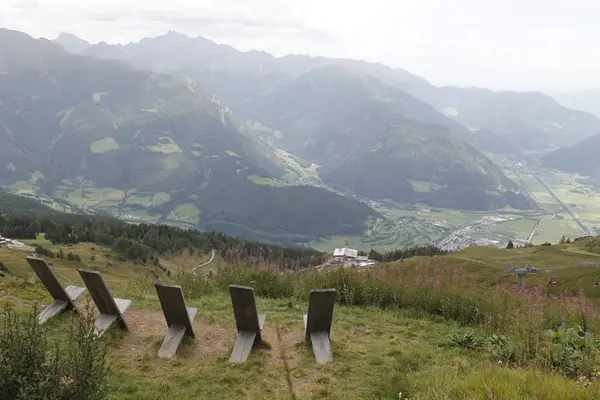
point(550, 45)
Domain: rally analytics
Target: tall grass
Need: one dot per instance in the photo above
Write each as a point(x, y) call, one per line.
point(522, 323)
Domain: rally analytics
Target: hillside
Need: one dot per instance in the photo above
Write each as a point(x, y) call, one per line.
point(146, 147)
point(422, 328)
point(374, 140)
point(588, 100)
point(504, 121)
point(376, 153)
point(581, 158)
point(528, 120)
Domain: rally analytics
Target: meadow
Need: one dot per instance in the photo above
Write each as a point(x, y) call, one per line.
point(448, 327)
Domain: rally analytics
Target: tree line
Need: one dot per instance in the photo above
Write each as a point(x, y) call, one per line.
point(143, 241)
point(400, 254)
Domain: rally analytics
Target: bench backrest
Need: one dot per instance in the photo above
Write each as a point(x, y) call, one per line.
point(173, 305)
point(45, 274)
point(99, 291)
point(244, 308)
point(320, 310)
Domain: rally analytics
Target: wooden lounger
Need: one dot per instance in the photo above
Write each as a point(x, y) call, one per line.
point(111, 309)
point(63, 298)
point(179, 318)
point(249, 323)
point(317, 323)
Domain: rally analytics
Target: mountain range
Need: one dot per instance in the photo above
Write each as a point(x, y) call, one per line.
point(184, 130)
point(508, 121)
point(87, 129)
point(298, 99)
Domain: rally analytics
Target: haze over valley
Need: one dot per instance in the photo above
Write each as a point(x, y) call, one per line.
point(296, 149)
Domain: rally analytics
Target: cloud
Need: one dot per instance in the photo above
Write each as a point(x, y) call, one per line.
point(25, 4)
point(513, 44)
point(233, 25)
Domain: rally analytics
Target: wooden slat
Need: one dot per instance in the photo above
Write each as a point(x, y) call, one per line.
point(321, 347)
point(191, 313)
point(174, 337)
point(55, 308)
point(243, 346)
point(103, 323)
point(122, 305)
point(74, 292)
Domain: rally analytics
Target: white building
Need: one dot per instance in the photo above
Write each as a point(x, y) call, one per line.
point(345, 253)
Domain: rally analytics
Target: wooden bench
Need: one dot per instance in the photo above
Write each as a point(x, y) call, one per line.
point(63, 298)
point(317, 323)
point(111, 309)
point(249, 323)
point(179, 318)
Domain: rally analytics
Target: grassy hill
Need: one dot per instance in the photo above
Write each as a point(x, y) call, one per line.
point(378, 353)
point(394, 331)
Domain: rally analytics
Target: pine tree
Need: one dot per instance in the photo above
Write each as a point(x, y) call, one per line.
point(510, 245)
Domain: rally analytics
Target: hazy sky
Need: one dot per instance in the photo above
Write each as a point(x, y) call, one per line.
point(550, 45)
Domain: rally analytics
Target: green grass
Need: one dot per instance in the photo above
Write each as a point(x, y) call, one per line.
point(141, 215)
point(520, 228)
point(103, 145)
point(165, 145)
point(161, 198)
point(187, 212)
point(260, 180)
point(378, 352)
point(424, 186)
point(25, 187)
point(555, 229)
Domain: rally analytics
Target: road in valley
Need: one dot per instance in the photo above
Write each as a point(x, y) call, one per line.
point(584, 228)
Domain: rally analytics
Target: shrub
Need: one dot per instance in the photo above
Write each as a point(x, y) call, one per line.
point(32, 368)
point(502, 349)
point(573, 351)
point(73, 257)
point(44, 252)
point(465, 340)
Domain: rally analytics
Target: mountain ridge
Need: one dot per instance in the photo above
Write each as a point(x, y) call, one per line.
point(146, 145)
point(237, 76)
